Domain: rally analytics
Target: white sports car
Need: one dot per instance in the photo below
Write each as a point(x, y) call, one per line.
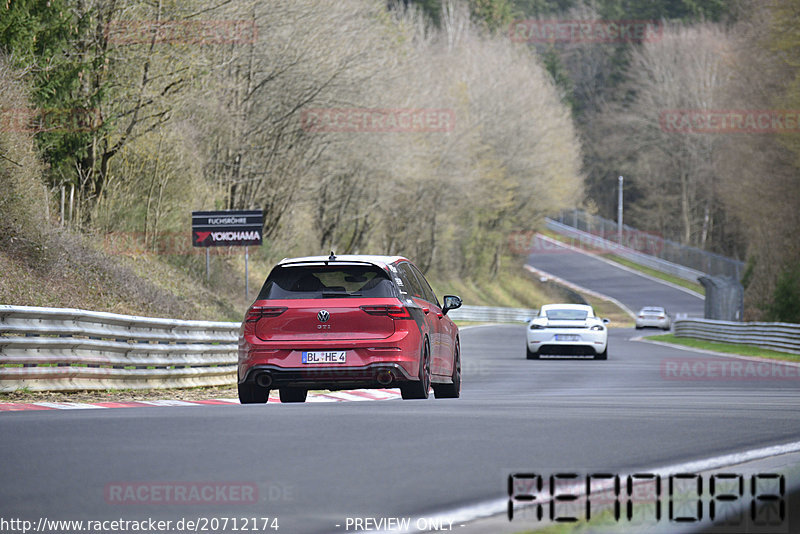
point(654, 316)
point(567, 330)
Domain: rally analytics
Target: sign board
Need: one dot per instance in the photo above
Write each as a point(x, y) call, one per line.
point(227, 228)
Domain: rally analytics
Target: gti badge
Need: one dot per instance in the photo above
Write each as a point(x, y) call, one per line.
point(323, 316)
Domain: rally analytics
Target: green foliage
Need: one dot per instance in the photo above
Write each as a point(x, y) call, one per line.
point(22, 201)
point(492, 14)
point(431, 8)
point(42, 36)
point(553, 64)
point(785, 305)
point(543, 8)
point(749, 272)
point(685, 10)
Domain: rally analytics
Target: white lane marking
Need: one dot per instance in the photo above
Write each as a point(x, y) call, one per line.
point(496, 507)
point(620, 266)
point(342, 395)
point(576, 287)
point(168, 403)
point(68, 405)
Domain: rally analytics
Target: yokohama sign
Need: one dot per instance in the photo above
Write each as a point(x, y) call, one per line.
point(227, 228)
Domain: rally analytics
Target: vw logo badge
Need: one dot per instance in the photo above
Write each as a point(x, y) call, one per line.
point(323, 316)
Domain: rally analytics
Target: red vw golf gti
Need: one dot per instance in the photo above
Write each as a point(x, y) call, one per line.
point(342, 322)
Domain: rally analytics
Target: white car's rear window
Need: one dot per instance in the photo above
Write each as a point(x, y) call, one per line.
point(566, 315)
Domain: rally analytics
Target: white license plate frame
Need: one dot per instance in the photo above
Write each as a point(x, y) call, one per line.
point(567, 337)
point(323, 357)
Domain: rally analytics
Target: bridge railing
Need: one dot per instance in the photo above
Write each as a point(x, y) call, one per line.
point(646, 243)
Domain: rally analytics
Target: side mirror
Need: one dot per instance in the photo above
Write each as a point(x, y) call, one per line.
point(606, 321)
point(451, 302)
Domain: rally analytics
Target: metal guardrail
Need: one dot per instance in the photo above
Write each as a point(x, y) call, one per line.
point(488, 314)
point(650, 244)
point(784, 337)
point(596, 242)
point(60, 349)
point(68, 349)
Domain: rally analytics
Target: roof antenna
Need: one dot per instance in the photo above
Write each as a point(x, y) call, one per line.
point(332, 257)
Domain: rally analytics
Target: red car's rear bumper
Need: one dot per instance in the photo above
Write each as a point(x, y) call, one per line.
point(369, 363)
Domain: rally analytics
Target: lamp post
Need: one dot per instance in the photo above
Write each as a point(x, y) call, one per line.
point(619, 212)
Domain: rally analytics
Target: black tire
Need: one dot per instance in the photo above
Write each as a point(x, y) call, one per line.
point(531, 355)
point(252, 394)
point(603, 355)
point(419, 388)
point(451, 391)
point(293, 394)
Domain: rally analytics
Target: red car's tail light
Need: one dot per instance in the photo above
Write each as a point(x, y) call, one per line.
point(395, 312)
point(257, 312)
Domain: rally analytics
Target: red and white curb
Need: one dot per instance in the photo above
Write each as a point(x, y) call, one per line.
point(354, 395)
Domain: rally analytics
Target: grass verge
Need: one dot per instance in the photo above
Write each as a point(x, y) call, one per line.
point(728, 348)
point(513, 287)
point(608, 310)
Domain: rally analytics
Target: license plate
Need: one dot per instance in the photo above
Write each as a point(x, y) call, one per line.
point(567, 337)
point(325, 357)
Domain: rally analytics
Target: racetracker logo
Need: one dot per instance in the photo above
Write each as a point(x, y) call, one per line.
point(354, 120)
point(49, 120)
point(172, 493)
point(694, 369)
point(585, 31)
point(192, 32)
point(729, 121)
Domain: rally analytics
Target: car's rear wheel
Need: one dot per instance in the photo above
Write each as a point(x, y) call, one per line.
point(603, 355)
point(453, 390)
point(252, 394)
point(419, 388)
point(531, 355)
point(293, 394)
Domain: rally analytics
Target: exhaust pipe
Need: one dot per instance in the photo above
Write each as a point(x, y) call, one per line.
point(264, 380)
point(385, 378)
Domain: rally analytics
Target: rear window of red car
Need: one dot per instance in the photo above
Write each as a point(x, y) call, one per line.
point(326, 281)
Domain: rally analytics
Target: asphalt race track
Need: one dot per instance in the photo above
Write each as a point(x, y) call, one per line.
point(631, 289)
point(314, 465)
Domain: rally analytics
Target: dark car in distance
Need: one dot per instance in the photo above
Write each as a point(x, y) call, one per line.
point(340, 322)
